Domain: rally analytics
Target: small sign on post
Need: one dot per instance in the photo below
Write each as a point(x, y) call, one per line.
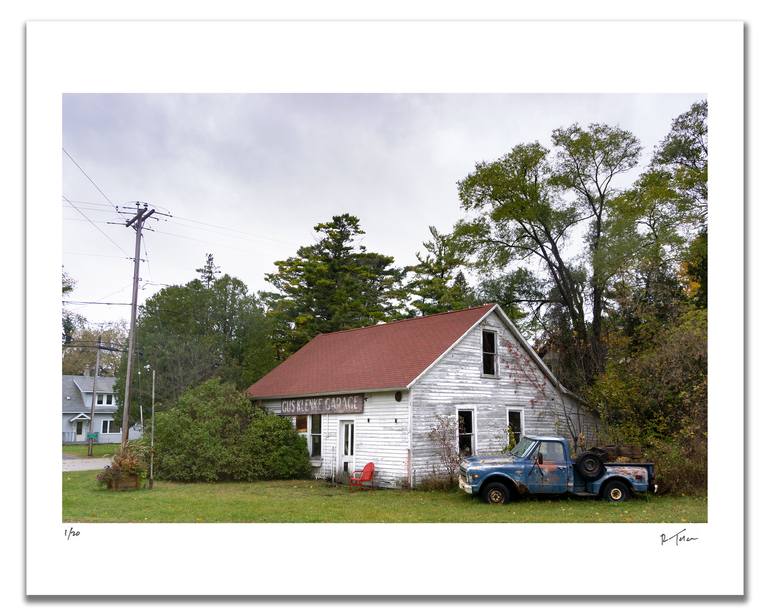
point(93, 436)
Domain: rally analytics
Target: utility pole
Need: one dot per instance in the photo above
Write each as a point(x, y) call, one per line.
point(136, 222)
point(152, 429)
point(93, 398)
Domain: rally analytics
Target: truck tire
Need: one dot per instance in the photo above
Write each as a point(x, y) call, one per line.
point(589, 465)
point(615, 491)
point(496, 493)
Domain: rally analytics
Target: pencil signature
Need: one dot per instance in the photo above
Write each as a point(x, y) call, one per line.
point(678, 538)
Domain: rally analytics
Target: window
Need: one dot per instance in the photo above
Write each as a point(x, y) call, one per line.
point(109, 426)
point(552, 451)
point(108, 399)
point(301, 424)
point(79, 428)
point(315, 436)
point(465, 432)
point(100, 399)
point(489, 353)
point(515, 424)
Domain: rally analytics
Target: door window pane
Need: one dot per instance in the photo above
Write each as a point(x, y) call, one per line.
point(552, 452)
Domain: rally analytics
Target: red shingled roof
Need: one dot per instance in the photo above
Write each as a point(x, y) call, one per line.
point(379, 357)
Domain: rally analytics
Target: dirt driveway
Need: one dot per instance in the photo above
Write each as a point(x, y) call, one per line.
point(71, 463)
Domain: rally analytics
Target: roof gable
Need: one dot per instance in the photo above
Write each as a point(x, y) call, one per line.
point(376, 358)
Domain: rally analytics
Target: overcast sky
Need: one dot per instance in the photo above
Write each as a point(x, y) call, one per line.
point(261, 170)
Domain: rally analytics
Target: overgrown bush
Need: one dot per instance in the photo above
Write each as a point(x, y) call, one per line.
point(214, 433)
point(657, 397)
point(130, 460)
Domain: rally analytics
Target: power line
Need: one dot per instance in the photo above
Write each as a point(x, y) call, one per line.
point(91, 254)
point(82, 303)
point(95, 227)
point(89, 178)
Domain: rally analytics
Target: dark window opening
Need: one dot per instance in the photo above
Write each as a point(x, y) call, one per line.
point(465, 432)
point(489, 352)
point(301, 423)
point(514, 424)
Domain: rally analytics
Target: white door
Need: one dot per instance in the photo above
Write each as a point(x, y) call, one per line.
point(80, 431)
point(346, 458)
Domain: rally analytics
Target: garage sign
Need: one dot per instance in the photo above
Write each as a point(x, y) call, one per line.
point(323, 405)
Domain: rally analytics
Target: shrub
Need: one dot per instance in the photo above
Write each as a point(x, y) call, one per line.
point(214, 433)
point(130, 460)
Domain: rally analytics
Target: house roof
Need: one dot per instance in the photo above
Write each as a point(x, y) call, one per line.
point(375, 358)
point(104, 384)
point(72, 394)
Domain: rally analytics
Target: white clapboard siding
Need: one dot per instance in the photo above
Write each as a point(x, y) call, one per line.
point(381, 435)
point(456, 380)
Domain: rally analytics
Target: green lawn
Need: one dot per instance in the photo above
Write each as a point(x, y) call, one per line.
point(315, 501)
point(101, 450)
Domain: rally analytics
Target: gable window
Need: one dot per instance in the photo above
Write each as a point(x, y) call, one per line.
point(99, 399)
point(489, 353)
point(465, 444)
point(110, 426)
point(108, 399)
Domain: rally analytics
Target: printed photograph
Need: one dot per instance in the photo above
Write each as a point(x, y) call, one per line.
point(384, 308)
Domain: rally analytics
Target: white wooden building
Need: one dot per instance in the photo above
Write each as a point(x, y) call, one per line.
point(77, 394)
point(374, 394)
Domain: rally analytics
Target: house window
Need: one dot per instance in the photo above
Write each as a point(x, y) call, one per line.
point(109, 426)
point(515, 424)
point(465, 443)
point(489, 353)
point(108, 399)
point(315, 436)
point(100, 399)
point(301, 424)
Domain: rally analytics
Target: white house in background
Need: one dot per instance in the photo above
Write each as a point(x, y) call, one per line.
point(373, 394)
point(77, 393)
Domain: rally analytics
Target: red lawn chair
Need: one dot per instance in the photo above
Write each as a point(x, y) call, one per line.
point(362, 478)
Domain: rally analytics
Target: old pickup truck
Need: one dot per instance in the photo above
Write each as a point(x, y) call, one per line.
point(542, 465)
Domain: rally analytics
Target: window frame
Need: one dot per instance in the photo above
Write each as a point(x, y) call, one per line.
point(462, 408)
point(520, 411)
point(114, 425)
point(495, 354)
point(99, 399)
point(312, 434)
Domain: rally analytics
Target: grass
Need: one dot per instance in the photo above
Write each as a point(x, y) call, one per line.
point(314, 501)
point(101, 450)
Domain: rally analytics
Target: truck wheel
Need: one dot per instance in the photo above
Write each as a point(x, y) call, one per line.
point(589, 465)
point(616, 491)
point(496, 493)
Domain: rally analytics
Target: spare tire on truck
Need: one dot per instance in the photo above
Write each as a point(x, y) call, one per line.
point(589, 465)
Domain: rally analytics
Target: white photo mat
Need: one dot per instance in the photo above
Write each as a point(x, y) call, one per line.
point(438, 57)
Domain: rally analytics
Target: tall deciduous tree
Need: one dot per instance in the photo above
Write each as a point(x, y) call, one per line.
point(193, 332)
point(588, 162)
point(331, 285)
point(81, 356)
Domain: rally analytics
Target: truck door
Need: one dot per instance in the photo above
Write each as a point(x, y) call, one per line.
point(549, 473)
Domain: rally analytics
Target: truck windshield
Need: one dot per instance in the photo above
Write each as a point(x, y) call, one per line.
point(521, 447)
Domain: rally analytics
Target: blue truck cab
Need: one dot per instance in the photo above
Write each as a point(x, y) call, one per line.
point(542, 465)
